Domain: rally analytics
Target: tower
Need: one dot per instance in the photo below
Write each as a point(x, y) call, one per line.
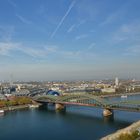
point(116, 82)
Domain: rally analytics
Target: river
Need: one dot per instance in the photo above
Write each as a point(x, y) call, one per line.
point(77, 123)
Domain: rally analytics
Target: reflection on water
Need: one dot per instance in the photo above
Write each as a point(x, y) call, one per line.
point(109, 119)
point(76, 123)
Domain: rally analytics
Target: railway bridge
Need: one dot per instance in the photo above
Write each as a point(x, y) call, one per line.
point(89, 100)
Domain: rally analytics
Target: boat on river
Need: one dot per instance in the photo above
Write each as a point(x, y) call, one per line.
point(33, 106)
point(1, 112)
point(124, 96)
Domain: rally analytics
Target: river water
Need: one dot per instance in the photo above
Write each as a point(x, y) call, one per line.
point(77, 123)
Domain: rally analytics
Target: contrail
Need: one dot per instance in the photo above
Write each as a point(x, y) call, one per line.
point(62, 20)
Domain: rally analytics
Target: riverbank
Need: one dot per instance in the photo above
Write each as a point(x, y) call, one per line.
point(15, 103)
point(128, 131)
point(18, 107)
point(9, 108)
point(116, 95)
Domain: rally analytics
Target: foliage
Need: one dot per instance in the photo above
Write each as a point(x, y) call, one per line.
point(15, 101)
point(2, 103)
point(133, 136)
point(23, 100)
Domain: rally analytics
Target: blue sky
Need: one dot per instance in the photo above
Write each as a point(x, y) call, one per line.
point(69, 39)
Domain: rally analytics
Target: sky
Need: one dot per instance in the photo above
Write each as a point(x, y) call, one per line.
point(69, 39)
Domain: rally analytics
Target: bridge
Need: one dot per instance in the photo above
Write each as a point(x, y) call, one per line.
point(89, 100)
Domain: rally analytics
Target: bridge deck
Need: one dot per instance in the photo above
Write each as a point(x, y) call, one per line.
point(90, 100)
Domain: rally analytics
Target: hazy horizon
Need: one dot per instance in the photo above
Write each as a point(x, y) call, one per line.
point(69, 39)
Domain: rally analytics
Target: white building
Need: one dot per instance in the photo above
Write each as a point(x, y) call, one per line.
point(116, 82)
point(108, 90)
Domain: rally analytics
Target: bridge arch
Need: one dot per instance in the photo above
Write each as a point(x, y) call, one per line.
point(82, 98)
point(50, 98)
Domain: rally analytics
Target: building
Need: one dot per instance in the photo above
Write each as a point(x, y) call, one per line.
point(108, 90)
point(116, 82)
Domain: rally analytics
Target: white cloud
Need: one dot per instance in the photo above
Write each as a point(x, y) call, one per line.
point(91, 45)
point(117, 15)
point(127, 33)
point(132, 51)
point(40, 52)
point(23, 19)
point(81, 36)
point(69, 54)
point(44, 51)
point(71, 28)
point(135, 49)
point(63, 18)
point(7, 47)
point(33, 52)
point(12, 3)
point(111, 18)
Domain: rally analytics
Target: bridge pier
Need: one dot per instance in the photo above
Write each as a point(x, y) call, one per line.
point(60, 107)
point(107, 112)
point(44, 105)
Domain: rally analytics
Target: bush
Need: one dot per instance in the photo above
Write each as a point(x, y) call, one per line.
point(15, 101)
point(133, 136)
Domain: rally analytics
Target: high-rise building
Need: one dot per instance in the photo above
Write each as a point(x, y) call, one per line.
point(116, 82)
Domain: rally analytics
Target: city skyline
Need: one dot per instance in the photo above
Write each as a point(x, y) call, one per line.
point(69, 39)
